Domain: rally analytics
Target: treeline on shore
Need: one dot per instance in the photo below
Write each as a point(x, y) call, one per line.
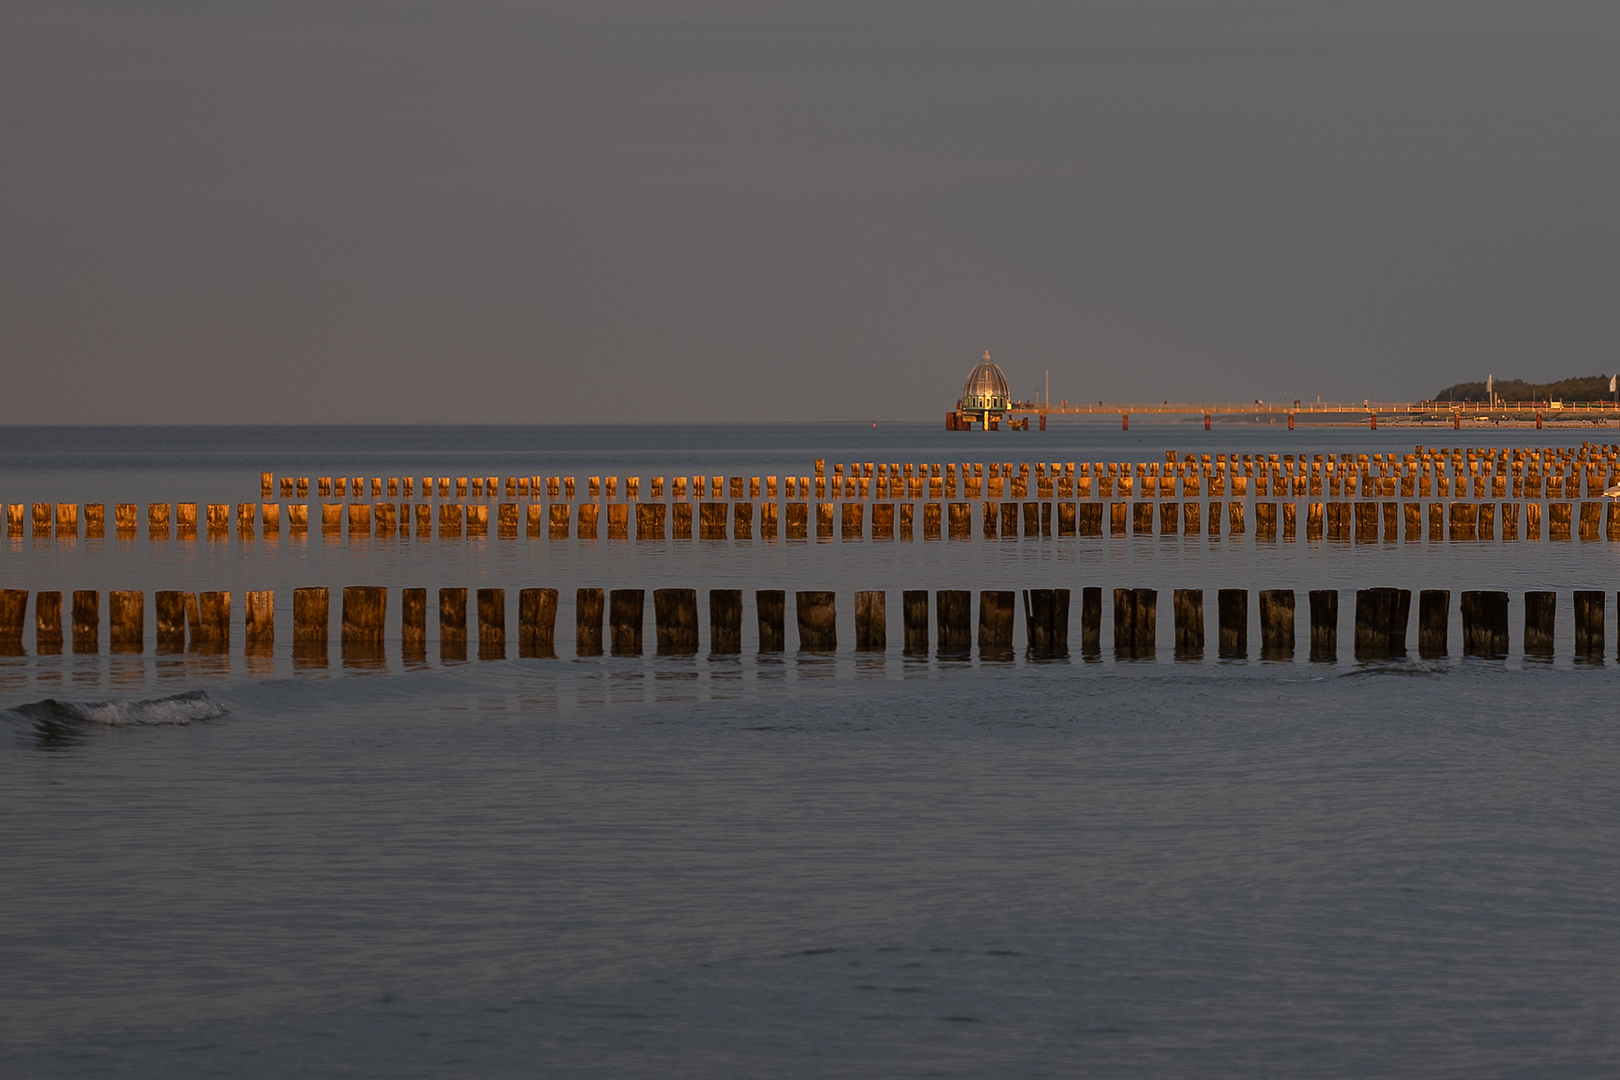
point(1583, 388)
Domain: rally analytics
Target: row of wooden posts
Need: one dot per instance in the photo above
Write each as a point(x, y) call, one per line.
point(1364, 521)
point(1424, 473)
point(202, 621)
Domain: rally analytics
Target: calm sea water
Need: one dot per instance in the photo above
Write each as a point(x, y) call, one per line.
point(846, 865)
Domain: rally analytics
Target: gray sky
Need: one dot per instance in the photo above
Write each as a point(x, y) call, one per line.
point(453, 212)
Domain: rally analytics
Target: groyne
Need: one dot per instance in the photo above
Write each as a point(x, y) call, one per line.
point(614, 621)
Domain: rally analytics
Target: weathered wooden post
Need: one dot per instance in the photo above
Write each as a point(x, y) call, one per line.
point(126, 620)
point(915, 602)
point(365, 607)
point(1233, 608)
point(725, 622)
point(953, 610)
point(537, 623)
point(95, 521)
point(626, 613)
point(13, 611)
point(1136, 613)
point(1187, 607)
point(1485, 623)
point(171, 621)
point(86, 621)
point(1046, 622)
point(48, 622)
point(492, 624)
point(588, 611)
point(1276, 624)
point(214, 621)
point(675, 621)
point(817, 615)
point(1381, 618)
point(1540, 621)
point(1324, 624)
point(871, 622)
point(1589, 625)
point(996, 624)
point(452, 624)
point(1091, 621)
point(413, 624)
point(1434, 617)
point(770, 610)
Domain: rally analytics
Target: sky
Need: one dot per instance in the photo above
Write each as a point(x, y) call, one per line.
point(433, 212)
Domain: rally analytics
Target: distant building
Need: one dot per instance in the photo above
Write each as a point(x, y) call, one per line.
point(985, 399)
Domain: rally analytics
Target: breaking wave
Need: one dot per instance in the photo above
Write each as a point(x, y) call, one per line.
point(193, 705)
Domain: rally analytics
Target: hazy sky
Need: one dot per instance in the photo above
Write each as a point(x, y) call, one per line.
point(424, 211)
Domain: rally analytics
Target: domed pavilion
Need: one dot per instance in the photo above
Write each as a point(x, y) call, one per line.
point(984, 399)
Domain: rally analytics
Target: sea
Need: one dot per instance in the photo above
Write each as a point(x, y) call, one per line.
point(794, 865)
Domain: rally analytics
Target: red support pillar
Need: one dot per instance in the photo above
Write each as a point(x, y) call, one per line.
point(1290, 421)
point(1125, 421)
point(1206, 421)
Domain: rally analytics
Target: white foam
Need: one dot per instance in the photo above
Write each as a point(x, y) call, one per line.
point(179, 709)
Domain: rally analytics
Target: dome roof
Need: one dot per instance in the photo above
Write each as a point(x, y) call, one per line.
point(986, 387)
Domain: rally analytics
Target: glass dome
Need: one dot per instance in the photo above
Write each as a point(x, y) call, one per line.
point(986, 388)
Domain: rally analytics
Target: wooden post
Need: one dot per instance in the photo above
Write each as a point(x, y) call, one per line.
point(171, 621)
point(413, 624)
point(996, 624)
point(953, 611)
point(13, 610)
point(1540, 621)
point(365, 608)
point(1325, 624)
point(1187, 608)
point(675, 621)
point(1381, 618)
point(95, 521)
point(157, 521)
point(588, 605)
point(126, 620)
point(824, 521)
point(1135, 623)
point(871, 622)
point(1046, 622)
point(214, 621)
point(1233, 607)
point(537, 623)
point(1434, 616)
point(259, 621)
point(1589, 625)
point(817, 615)
point(1276, 624)
point(770, 609)
point(48, 622)
point(492, 624)
point(1485, 623)
point(725, 622)
point(311, 619)
point(124, 521)
point(452, 624)
point(854, 518)
point(915, 602)
point(626, 612)
point(86, 621)
point(1091, 621)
